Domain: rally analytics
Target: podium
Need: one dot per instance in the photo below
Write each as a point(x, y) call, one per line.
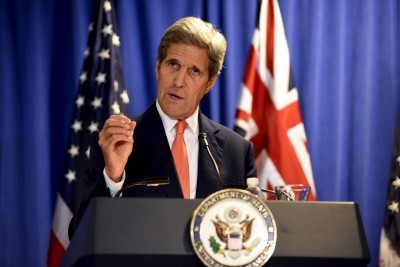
point(155, 232)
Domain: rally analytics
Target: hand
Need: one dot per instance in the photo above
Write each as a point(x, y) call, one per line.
point(116, 142)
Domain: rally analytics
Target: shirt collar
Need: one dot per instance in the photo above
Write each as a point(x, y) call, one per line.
point(169, 123)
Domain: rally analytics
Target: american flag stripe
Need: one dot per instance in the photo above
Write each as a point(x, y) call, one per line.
point(101, 92)
point(57, 251)
point(268, 111)
point(62, 217)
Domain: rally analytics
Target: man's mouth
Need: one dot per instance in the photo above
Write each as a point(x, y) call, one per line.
point(174, 96)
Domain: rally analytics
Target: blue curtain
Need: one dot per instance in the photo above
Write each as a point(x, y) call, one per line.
point(345, 60)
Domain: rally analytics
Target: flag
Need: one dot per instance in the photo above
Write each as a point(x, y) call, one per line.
point(101, 92)
point(268, 112)
point(390, 234)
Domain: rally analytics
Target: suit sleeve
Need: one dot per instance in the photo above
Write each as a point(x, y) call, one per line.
point(250, 168)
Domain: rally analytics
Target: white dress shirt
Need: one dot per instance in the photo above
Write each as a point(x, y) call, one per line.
point(192, 146)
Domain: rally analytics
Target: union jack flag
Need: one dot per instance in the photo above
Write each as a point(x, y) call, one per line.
point(101, 92)
point(268, 113)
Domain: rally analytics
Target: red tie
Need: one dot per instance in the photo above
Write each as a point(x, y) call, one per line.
point(179, 153)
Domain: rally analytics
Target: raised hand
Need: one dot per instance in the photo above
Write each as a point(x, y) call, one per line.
point(116, 142)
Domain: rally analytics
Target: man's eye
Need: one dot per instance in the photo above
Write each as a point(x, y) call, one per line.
point(196, 71)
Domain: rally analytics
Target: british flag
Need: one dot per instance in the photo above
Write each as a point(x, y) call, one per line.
point(101, 92)
point(268, 113)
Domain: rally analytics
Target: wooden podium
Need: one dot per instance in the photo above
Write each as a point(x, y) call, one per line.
point(155, 232)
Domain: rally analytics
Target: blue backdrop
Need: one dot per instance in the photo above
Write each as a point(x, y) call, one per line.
point(345, 57)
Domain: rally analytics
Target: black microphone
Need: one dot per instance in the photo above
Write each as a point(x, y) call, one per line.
point(268, 191)
point(203, 137)
point(148, 181)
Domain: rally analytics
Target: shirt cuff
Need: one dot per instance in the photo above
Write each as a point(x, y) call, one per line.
point(113, 186)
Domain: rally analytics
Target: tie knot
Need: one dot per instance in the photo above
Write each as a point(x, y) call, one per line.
point(181, 126)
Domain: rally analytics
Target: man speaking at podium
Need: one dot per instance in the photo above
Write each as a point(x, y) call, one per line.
point(172, 137)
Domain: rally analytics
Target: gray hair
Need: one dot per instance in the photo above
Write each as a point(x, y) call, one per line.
point(194, 31)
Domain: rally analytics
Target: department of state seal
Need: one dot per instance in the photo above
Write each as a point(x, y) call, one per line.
point(233, 227)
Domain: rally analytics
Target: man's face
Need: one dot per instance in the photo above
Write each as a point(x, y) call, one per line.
point(183, 80)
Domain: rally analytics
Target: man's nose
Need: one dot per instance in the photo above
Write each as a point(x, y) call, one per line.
point(180, 78)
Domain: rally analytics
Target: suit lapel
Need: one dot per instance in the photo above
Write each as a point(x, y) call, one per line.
point(156, 151)
point(207, 180)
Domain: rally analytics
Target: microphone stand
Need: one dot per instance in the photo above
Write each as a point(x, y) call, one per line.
point(272, 192)
point(268, 191)
point(203, 137)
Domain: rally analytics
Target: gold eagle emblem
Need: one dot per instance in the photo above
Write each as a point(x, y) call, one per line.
point(233, 235)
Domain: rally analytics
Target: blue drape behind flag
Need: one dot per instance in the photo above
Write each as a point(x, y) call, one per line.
point(345, 57)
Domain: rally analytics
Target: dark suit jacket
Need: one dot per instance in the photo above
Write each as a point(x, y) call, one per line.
point(152, 157)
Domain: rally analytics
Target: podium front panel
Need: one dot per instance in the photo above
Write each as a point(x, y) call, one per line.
point(155, 232)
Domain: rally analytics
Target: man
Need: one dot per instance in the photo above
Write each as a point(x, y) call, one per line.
point(190, 57)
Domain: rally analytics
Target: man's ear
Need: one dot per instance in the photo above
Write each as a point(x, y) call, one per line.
point(211, 83)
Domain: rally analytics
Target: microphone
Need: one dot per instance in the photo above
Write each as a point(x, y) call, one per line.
point(203, 136)
point(148, 181)
point(268, 191)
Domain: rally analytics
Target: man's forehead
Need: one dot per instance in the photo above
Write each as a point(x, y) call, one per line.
point(189, 54)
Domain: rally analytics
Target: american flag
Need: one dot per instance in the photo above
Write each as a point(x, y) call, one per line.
point(268, 113)
point(101, 92)
point(390, 236)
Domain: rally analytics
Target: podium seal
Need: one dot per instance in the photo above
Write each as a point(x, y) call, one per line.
point(233, 227)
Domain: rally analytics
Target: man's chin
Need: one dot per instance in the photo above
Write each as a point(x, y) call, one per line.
point(175, 110)
point(173, 113)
